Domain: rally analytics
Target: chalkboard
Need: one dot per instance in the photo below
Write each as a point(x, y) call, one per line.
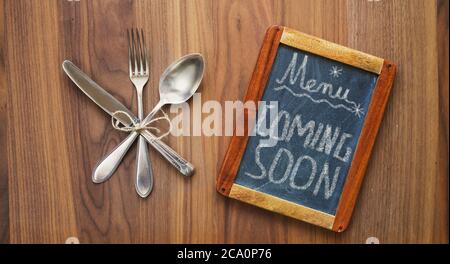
point(320, 108)
point(318, 129)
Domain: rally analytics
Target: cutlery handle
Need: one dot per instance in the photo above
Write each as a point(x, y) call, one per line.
point(144, 173)
point(182, 165)
point(107, 165)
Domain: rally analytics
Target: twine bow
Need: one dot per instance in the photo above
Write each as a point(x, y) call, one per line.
point(137, 126)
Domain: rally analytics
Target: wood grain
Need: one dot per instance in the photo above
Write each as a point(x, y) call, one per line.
point(55, 135)
point(443, 61)
point(4, 195)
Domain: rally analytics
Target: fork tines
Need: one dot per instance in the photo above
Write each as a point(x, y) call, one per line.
point(137, 53)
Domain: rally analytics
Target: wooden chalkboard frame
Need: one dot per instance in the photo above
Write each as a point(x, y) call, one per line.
point(230, 166)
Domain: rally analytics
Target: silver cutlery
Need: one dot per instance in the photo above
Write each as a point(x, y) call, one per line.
point(177, 84)
point(111, 105)
point(139, 74)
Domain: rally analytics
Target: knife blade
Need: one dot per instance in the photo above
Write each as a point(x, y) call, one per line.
point(110, 105)
point(98, 95)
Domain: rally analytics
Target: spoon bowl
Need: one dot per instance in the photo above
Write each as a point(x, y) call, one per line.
point(181, 79)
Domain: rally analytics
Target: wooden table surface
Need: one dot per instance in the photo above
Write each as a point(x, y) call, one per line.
point(51, 135)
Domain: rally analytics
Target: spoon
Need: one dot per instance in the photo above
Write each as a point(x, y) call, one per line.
point(177, 85)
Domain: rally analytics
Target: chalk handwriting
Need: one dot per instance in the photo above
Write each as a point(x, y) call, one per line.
point(323, 138)
point(311, 132)
point(311, 87)
point(275, 163)
point(291, 171)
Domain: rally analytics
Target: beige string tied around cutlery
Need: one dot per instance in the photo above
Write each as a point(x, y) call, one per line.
point(138, 126)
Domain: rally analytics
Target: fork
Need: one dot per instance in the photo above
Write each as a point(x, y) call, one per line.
point(139, 74)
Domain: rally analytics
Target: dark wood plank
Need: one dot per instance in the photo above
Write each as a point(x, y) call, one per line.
point(4, 190)
point(443, 60)
point(40, 196)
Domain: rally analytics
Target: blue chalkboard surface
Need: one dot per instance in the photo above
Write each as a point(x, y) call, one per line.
point(302, 152)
